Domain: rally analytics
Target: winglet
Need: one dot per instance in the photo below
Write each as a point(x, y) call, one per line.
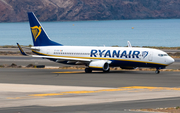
point(129, 44)
point(21, 50)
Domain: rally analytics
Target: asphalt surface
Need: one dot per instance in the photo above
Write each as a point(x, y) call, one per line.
point(114, 107)
point(26, 60)
point(114, 79)
point(96, 79)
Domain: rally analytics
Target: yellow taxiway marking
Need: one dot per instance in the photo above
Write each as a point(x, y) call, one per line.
point(70, 72)
point(129, 89)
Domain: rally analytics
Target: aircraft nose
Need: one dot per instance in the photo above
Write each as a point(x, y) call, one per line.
point(170, 60)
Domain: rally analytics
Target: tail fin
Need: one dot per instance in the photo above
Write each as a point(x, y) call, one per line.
point(40, 38)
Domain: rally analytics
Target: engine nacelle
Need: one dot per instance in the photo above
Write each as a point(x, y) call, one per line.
point(99, 64)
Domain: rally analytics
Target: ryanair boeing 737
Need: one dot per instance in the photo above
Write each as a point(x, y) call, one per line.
point(94, 58)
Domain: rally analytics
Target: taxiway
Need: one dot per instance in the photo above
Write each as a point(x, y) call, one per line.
point(54, 90)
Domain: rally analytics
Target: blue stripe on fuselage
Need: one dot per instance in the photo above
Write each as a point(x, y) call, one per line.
point(133, 64)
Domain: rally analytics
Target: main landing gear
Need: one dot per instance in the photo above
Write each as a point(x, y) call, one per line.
point(157, 70)
point(88, 70)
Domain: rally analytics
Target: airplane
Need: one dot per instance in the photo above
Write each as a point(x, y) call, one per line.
point(93, 57)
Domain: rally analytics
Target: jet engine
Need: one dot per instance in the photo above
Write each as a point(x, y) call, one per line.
point(99, 65)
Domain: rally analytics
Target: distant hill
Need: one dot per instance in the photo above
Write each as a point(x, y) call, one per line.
point(74, 10)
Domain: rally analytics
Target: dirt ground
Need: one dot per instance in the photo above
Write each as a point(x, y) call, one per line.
point(165, 110)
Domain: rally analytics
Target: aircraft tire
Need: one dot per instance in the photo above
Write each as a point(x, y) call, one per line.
point(106, 71)
point(88, 70)
point(157, 71)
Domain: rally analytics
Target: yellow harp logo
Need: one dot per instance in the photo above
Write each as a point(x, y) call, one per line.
point(36, 31)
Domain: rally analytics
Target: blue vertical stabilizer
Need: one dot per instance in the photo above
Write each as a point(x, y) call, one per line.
point(39, 36)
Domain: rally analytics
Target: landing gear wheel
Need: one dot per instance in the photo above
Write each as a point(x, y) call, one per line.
point(106, 71)
point(157, 71)
point(88, 70)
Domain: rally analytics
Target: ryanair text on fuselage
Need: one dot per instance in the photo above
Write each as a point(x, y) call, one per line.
point(117, 53)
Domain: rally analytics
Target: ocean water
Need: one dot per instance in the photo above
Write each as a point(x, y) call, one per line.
point(154, 32)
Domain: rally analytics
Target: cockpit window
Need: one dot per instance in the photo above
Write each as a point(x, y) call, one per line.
point(161, 55)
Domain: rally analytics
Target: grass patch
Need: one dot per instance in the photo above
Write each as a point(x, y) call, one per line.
point(164, 110)
point(154, 47)
point(15, 46)
point(14, 53)
point(8, 46)
point(170, 48)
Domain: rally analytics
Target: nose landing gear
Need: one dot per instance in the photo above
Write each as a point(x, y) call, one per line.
point(157, 71)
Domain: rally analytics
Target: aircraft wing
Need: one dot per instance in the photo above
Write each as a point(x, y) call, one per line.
point(63, 58)
point(57, 59)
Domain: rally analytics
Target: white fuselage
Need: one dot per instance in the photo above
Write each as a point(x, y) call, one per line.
point(119, 56)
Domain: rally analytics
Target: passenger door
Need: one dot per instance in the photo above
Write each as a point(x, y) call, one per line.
point(150, 56)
